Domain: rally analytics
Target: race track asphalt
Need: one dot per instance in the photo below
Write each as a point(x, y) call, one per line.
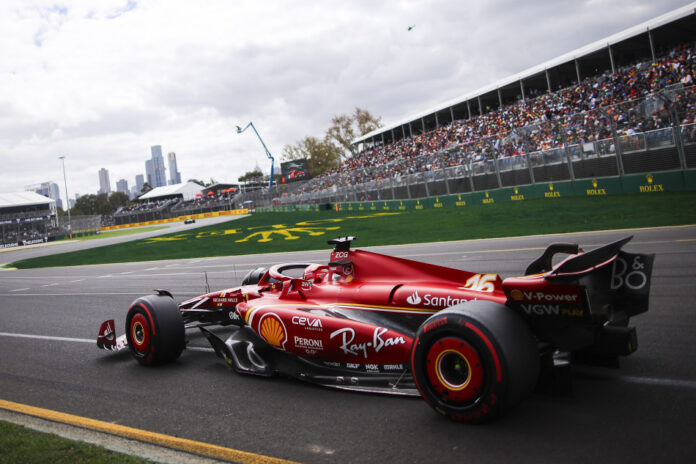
point(645, 411)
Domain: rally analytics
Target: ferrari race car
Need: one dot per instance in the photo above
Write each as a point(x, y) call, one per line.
point(472, 345)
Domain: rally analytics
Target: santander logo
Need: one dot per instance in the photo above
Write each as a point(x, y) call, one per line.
point(414, 299)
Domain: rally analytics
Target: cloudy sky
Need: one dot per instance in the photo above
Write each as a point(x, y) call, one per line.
point(101, 81)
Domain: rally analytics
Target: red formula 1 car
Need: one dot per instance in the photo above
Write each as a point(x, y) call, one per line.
point(472, 345)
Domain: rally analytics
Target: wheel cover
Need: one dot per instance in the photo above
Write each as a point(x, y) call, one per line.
point(454, 370)
point(140, 333)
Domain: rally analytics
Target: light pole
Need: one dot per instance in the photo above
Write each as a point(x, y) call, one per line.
point(268, 153)
point(67, 201)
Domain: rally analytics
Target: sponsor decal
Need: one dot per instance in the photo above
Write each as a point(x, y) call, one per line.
point(519, 295)
point(414, 299)
point(541, 309)
point(272, 329)
point(347, 337)
point(372, 367)
point(311, 343)
point(434, 324)
point(551, 193)
point(353, 366)
point(488, 200)
point(234, 316)
point(517, 196)
point(341, 255)
point(221, 301)
point(393, 367)
point(437, 203)
point(306, 285)
point(629, 275)
point(309, 323)
point(431, 300)
point(459, 201)
point(595, 190)
point(551, 310)
point(651, 187)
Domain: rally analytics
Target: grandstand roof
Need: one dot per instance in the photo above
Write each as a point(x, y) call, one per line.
point(187, 190)
point(642, 28)
point(23, 199)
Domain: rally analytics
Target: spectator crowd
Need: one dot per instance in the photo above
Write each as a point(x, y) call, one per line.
point(637, 99)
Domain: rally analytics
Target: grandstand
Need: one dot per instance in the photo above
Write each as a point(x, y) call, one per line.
point(178, 200)
point(26, 218)
point(622, 105)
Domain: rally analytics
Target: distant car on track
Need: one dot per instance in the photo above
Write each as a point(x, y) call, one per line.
point(189, 221)
point(471, 344)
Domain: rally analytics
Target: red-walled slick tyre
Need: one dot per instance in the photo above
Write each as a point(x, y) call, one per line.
point(475, 360)
point(155, 330)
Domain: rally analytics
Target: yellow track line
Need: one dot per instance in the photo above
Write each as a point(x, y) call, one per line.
point(168, 441)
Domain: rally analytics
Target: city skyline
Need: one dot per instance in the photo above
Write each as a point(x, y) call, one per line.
point(142, 78)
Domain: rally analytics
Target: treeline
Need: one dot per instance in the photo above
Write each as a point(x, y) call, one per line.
point(324, 153)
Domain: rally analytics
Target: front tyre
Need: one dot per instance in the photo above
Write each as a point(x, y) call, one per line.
point(155, 330)
point(473, 361)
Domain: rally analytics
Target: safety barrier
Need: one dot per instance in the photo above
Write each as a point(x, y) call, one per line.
point(642, 184)
point(178, 219)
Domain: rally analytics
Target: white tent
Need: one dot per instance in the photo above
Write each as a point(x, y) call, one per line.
point(187, 190)
point(15, 199)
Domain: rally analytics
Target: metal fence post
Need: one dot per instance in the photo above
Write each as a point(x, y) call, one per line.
point(617, 147)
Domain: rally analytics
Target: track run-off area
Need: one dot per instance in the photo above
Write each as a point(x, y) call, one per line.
point(645, 411)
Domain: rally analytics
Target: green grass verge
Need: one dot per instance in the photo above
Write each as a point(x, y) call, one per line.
point(19, 444)
point(121, 232)
point(282, 232)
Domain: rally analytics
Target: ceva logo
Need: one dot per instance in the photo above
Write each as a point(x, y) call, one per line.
point(414, 299)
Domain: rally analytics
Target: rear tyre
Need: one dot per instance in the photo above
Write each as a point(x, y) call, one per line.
point(155, 330)
point(475, 360)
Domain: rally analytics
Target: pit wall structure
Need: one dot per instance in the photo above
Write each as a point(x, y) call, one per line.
point(641, 184)
point(179, 219)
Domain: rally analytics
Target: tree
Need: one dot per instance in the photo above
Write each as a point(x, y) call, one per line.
point(346, 128)
point(252, 176)
point(321, 155)
point(117, 200)
point(90, 205)
point(145, 188)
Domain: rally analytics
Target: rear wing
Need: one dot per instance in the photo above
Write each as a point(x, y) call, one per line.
point(615, 280)
point(585, 300)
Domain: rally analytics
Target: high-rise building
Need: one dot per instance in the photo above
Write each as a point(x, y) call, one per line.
point(150, 172)
point(122, 186)
point(139, 182)
point(159, 172)
point(47, 189)
point(174, 175)
point(104, 183)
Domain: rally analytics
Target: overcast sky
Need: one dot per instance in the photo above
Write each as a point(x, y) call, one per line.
point(101, 81)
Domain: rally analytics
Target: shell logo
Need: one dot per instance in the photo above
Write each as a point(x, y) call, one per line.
point(516, 295)
point(271, 328)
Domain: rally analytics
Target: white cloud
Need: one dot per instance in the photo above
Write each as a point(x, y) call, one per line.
point(100, 82)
